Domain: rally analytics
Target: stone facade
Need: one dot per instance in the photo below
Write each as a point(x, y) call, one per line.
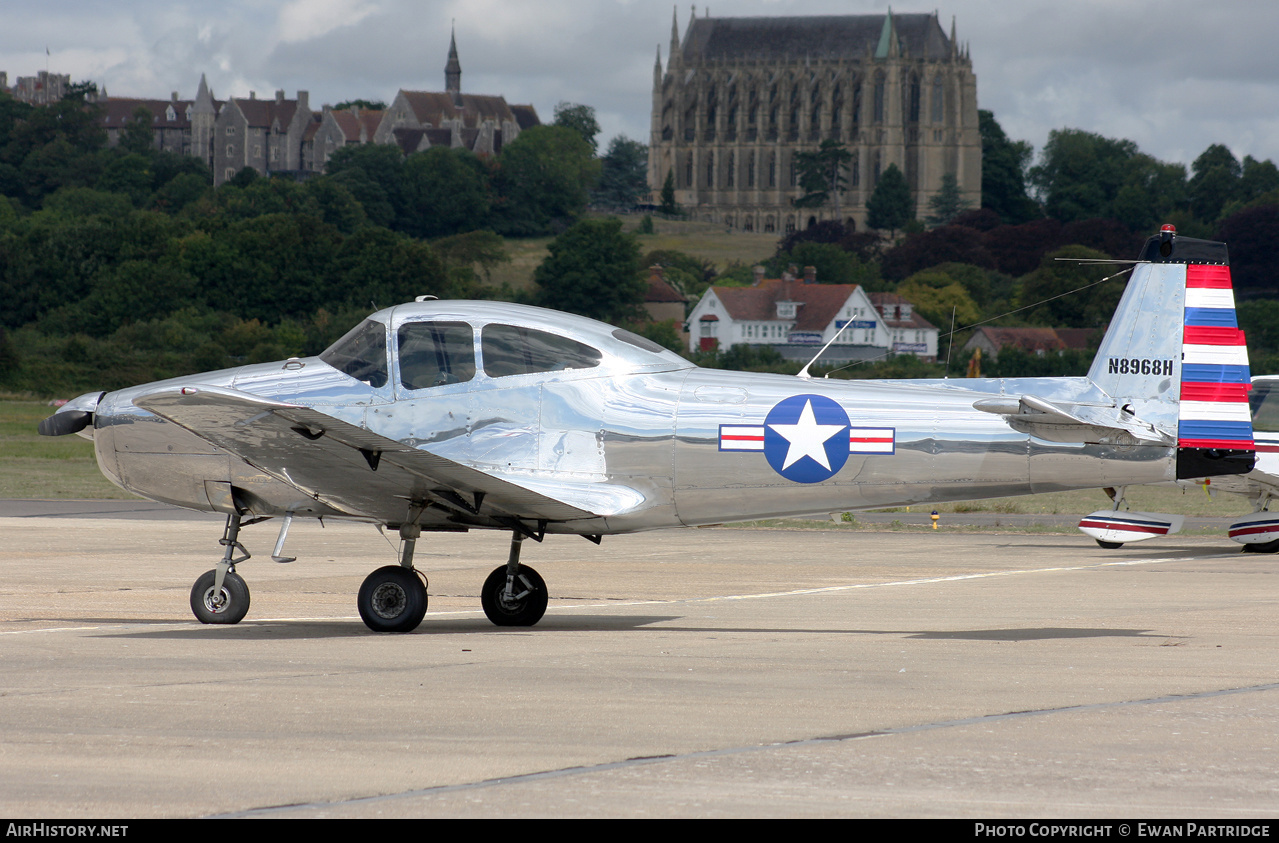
point(285, 136)
point(41, 89)
point(263, 134)
point(336, 129)
point(739, 98)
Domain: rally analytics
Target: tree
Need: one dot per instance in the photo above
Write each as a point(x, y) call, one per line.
point(947, 202)
point(374, 173)
point(1251, 234)
point(890, 206)
point(947, 243)
point(1003, 172)
point(669, 206)
point(1215, 181)
point(465, 251)
point(821, 174)
point(368, 105)
point(581, 119)
point(445, 192)
point(138, 135)
point(544, 177)
point(1062, 291)
point(592, 269)
point(624, 174)
point(833, 265)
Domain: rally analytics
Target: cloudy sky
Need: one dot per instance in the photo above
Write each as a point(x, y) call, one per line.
point(1174, 75)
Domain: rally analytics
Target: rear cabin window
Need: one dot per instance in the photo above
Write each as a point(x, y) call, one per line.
point(361, 353)
point(509, 350)
point(435, 353)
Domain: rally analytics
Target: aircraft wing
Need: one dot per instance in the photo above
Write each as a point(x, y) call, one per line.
point(360, 472)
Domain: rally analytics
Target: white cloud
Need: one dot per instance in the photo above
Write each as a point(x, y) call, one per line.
point(303, 20)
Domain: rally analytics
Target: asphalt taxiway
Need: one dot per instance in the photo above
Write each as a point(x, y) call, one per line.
point(715, 672)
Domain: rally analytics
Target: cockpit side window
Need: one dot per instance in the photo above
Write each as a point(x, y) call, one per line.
point(435, 354)
point(510, 350)
point(361, 353)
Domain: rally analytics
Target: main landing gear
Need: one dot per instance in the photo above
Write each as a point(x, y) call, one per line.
point(391, 599)
point(514, 594)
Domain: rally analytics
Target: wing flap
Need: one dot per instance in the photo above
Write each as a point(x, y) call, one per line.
point(349, 466)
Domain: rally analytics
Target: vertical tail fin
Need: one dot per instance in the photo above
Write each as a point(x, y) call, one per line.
point(1174, 354)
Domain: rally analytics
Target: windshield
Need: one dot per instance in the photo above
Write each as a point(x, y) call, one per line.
point(361, 353)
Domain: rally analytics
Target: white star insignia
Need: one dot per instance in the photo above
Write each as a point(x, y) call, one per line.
point(807, 438)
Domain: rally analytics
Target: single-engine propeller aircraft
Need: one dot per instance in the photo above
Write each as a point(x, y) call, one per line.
point(1257, 532)
point(450, 416)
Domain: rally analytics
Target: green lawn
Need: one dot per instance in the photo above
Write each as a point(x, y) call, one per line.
point(705, 240)
point(35, 466)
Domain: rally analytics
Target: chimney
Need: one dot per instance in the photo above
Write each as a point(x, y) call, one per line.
point(174, 96)
point(253, 95)
point(810, 275)
point(655, 273)
point(304, 101)
point(279, 95)
point(758, 272)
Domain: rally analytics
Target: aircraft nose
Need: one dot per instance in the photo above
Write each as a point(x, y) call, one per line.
point(72, 417)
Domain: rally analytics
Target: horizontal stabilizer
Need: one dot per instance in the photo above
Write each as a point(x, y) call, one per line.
point(1067, 422)
point(1258, 528)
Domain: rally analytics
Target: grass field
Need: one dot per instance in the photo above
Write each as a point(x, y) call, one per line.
point(704, 240)
point(35, 466)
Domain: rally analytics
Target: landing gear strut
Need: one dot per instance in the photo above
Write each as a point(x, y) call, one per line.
point(393, 598)
point(221, 595)
point(514, 594)
point(1116, 495)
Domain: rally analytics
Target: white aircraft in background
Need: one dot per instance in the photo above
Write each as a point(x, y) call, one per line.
point(1258, 532)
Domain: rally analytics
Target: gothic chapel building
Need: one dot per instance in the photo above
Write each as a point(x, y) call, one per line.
point(741, 96)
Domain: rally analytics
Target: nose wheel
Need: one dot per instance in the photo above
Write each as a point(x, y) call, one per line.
point(222, 595)
point(227, 604)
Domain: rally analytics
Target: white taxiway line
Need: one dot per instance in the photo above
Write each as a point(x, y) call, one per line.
point(718, 598)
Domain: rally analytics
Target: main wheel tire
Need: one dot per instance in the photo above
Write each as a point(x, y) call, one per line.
point(392, 599)
point(229, 605)
point(1262, 547)
point(1109, 545)
point(529, 604)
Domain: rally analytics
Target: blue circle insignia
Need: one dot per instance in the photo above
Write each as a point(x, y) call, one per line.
point(806, 438)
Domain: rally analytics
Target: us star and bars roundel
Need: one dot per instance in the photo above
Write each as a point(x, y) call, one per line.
point(806, 438)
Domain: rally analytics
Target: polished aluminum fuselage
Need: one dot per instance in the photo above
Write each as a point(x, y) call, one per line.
point(644, 438)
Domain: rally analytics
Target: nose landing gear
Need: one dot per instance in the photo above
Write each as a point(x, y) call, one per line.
point(222, 595)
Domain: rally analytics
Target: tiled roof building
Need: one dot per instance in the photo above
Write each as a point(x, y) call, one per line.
point(741, 97)
point(170, 120)
point(1038, 341)
point(798, 316)
point(418, 120)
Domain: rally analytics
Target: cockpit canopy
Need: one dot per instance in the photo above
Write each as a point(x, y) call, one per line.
point(436, 343)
